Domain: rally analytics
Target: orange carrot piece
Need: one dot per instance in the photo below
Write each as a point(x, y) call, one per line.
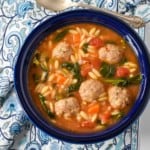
point(61, 79)
point(93, 109)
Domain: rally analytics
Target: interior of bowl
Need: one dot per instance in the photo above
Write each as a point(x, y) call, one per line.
point(61, 20)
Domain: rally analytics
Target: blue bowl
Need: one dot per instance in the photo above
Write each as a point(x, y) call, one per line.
point(58, 21)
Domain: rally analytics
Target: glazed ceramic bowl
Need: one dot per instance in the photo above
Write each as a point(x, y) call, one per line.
point(58, 21)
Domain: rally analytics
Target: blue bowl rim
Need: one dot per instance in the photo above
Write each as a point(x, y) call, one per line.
point(114, 22)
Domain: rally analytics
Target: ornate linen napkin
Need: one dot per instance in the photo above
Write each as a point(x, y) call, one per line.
point(17, 19)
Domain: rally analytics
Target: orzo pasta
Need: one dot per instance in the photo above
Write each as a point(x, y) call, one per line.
point(84, 77)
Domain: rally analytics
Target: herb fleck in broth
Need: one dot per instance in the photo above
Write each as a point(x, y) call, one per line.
point(84, 78)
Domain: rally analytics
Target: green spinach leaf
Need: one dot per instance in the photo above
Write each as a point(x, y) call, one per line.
point(74, 87)
point(107, 70)
point(69, 66)
point(125, 81)
point(36, 59)
point(42, 100)
point(60, 35)
point(118, 115)
point(75, 69)
point(135, 79)
point(85, 47)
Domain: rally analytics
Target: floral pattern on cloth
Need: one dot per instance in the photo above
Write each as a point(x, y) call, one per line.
point(17, 19)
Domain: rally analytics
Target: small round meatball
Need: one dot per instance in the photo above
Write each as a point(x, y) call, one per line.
point(118, 97)
point(67, 106)
point(110, 53)
point(62, 50)
point(91, 90)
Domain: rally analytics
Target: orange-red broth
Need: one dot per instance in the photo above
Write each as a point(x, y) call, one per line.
point(105, 110)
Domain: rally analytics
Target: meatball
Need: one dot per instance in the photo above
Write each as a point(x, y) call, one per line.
point(91, 90)
point(67, 106)
point(110, 53)
point(118, 97)
point(62, 50)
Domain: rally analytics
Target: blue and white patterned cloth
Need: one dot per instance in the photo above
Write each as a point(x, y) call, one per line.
point(17, 20)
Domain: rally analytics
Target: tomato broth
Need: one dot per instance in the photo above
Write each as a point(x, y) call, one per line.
point(84, 78)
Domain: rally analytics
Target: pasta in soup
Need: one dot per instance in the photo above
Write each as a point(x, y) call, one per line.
point(84, 77)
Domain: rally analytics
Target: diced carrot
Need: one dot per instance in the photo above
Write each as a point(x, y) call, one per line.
point(60, 79)
point(93, 108)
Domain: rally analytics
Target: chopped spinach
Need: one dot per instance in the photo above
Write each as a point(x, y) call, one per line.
point(42, 100)
point(107, 70)
point(60, 35)
point(74, 87)
point(75, 69)
point(125, 81)
point(118, 115)
point(99, 122)
point(36, 59)
point(118, 82)
point(37, 55)
point(69, 66)
point(38, 62)
point(50, 114)
point(135, 79)
point(44, 66)
point(85, 47)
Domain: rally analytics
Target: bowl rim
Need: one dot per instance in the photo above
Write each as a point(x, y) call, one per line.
point(22, 60)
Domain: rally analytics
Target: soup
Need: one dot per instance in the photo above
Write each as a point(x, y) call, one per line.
point(84, 78)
